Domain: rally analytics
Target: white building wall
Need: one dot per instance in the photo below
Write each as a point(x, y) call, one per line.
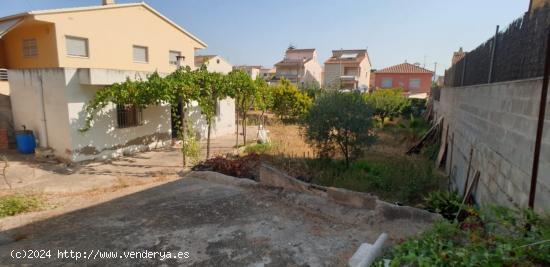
point(26, 106)
point(223, 124)
point(218, 64)
point(65, 97)
point(364, 75)
point(105, 140)
point(313, 72)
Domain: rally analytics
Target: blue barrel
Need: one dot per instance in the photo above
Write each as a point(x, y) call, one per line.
point(25, 141)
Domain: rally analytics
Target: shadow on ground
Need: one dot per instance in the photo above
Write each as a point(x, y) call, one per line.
point(218, 224)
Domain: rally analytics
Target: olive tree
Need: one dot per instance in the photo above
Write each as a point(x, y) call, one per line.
point(339, 122)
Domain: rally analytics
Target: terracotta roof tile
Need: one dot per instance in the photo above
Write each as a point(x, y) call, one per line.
point(296, 50)
point(292, 62)
point(404, 68)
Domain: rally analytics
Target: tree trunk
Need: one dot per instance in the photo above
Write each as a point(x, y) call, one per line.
point(183, 133)
point(237, 123)
point(262, 120)
point(244, 128)
point(208, 139)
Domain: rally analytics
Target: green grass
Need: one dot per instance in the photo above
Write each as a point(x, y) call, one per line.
point(15, 204)
point(395, 178)
point(259, 148)
point(494, 236)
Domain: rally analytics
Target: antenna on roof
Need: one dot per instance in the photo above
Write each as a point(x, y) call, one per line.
point(291, 47)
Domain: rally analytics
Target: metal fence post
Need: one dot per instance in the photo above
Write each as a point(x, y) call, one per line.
point(540, 125)
point(492, 62)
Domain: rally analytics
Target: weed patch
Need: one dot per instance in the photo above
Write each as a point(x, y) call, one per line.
point(15, 204)
point(495, 237)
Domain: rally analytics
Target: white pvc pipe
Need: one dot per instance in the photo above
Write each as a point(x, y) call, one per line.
point(374, 251)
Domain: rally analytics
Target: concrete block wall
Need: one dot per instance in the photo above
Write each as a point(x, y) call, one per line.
point(499, 122)
point(7, 134)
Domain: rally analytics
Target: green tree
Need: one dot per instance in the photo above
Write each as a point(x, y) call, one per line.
point(213, 90)
point(244, 91)
point(387, 103)
point(288, 101)
point(264, 98)
point(182, 88)
point(339, 122)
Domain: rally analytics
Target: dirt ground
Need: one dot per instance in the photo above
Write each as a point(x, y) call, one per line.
point(67, 187)
point(146, 202)
point(218, 220)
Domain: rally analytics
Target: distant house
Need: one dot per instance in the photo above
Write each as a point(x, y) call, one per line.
point(58, 59)
point(300, 67)
point(413, 79)
point(348, 69)
point(257, 71)
point(252, 70)
point(214, 63)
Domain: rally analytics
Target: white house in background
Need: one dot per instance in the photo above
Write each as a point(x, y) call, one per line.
point(348, 70)
point(252, 70)
point(257, 71)
point(214, 63)
point(58, 59)
point(299, 66)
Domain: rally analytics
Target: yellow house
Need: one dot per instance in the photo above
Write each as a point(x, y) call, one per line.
point(57, 59)
point(111, 36)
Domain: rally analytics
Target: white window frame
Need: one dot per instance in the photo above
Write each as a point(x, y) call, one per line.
point(384, 82)
point(146, 54)
point(76, 38)
point(29, 47)
point(173, 63)
point(417, 83)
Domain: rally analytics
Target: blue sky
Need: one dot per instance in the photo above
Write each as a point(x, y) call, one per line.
point(258, 31)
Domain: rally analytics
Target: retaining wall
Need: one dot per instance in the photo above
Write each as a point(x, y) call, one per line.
point(499, 122)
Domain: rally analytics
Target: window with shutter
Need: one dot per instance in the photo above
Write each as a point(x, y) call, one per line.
point(77, 46)
point(173, 57)
point(141, 54)
point(30, 47)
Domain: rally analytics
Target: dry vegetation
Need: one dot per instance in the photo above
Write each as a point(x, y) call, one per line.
point(384, 169)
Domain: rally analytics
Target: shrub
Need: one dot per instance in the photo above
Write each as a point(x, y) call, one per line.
point(288, 102)
point(259, 148)
point(497, 238)
point(415, 108)
point(15, 204)
point(339, 122)
point(242, 167)
point(443, 202)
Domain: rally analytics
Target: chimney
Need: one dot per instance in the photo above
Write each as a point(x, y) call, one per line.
point(108, 2)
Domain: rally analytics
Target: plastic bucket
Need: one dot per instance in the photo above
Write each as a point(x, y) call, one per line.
point(25, 141)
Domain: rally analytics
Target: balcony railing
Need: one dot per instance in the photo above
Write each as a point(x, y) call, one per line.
point(3, 74)
point(290, 77)
point(348, 78)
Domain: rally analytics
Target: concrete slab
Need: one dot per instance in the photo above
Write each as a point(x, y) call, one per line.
point(217, 223)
